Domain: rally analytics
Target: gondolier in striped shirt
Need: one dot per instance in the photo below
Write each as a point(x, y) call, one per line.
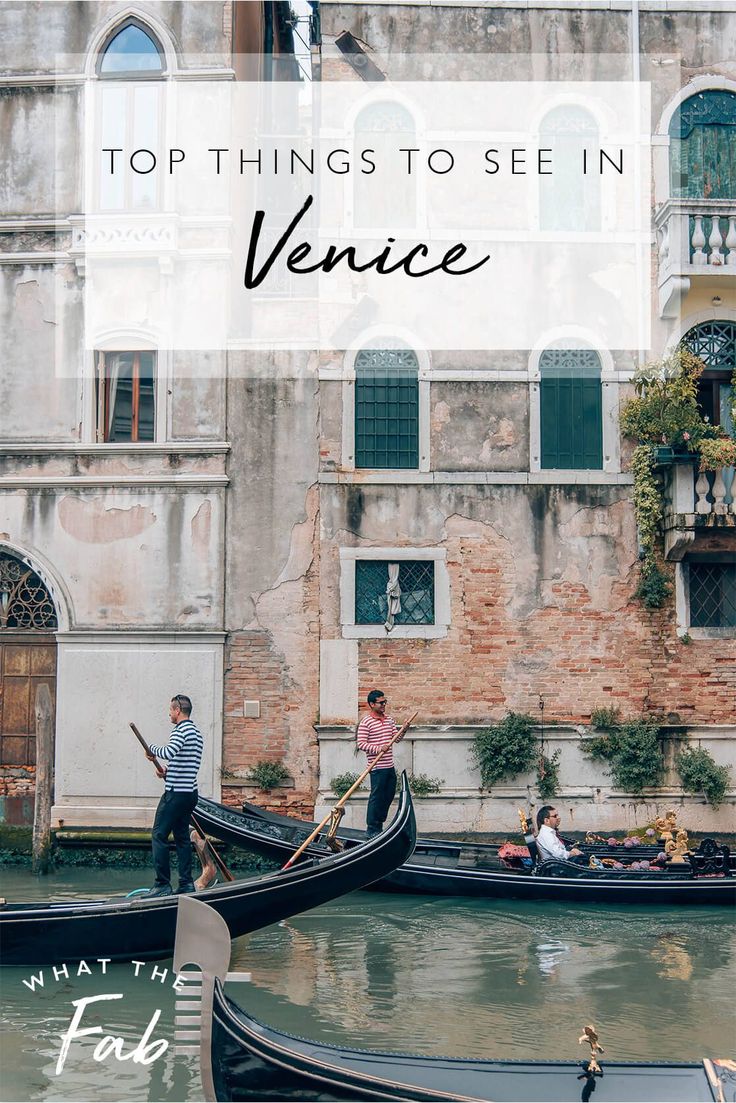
point(375, 731)
point(182, 755)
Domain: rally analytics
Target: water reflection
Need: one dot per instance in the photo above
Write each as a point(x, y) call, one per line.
point(415, 972)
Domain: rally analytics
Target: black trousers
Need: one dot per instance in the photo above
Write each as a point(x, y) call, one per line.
point(172, 816)
point(383, 790)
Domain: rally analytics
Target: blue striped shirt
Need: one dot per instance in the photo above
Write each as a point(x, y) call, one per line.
point(183, 753)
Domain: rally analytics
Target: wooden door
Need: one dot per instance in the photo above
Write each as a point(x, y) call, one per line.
point(25, 663)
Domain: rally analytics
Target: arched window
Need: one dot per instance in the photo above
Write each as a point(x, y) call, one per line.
point(702, 147)
point(715, 344)
point(131, 51)
point(569, 199)
point(385, 128)
point(386, 408)
point(24, 600)
point(571, 421)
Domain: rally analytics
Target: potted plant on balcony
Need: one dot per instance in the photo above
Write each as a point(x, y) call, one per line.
point(664, 418)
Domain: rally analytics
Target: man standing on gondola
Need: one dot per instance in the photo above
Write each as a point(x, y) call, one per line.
point(183, 755)
point(375, 731)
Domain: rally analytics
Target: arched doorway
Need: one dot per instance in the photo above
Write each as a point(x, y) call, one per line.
point(28, 623)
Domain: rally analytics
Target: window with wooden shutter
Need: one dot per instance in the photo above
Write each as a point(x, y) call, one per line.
point(386, 408)
point(126, 396)
point(571, 421)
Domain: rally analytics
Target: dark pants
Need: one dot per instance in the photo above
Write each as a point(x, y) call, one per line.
point(172, 815)
point(383, 790)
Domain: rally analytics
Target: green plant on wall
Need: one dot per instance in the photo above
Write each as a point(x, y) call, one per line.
point(548, 775)
point(631, 748)
point(267, 775)
point(664, 413)
point(700, 773)
point(505, 749)
point(342, 782)
point(422, 785)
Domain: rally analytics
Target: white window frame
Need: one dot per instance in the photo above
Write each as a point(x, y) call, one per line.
point(348, 401)
point(576, 338)
point(353, 631)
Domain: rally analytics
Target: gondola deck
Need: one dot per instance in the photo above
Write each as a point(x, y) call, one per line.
point(444, 868)
point(121, 929)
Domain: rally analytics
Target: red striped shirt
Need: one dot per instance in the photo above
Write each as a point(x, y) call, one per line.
point(374, 735)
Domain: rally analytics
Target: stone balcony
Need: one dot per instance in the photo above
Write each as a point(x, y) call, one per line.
point(696, 238)
point(694, 501)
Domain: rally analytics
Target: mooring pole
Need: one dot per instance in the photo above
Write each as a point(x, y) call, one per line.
point(44, 780)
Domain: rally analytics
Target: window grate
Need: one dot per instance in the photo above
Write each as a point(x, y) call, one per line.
point(386, 409)
point(712, 595)
point(416, 580)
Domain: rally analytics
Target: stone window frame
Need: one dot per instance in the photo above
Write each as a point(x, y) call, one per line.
point(609, 405)
point(127, 342)
point(682, 601)
point(348, 401)
point(352, 631)
point(148, 23)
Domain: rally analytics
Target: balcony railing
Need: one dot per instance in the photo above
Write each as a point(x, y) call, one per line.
point(695, 500)
point(695, 237)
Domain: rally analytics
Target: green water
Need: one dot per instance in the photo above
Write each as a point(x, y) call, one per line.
point(413, 973)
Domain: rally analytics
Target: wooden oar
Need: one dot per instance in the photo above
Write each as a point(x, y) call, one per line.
point(160, 770)
point(346, 797)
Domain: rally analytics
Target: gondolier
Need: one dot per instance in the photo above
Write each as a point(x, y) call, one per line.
point(375, 732)
point(183, 755)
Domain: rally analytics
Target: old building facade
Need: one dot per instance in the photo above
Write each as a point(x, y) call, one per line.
point(235, 529)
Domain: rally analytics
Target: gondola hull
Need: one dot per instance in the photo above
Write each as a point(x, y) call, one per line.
point(251, 1061)
point(440, 868)
point(144, 929)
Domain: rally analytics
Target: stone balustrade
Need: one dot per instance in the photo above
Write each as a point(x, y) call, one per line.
point(695, 237)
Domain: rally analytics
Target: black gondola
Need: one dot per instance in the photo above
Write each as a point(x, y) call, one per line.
point(123, 929)
point(243, 1059)
point(442, 868)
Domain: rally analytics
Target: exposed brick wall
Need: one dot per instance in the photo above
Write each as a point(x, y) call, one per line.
point(17, 781)
point(576, 653)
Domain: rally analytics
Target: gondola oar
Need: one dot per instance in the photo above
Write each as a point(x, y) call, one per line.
point(162, 773)
point(346, 797)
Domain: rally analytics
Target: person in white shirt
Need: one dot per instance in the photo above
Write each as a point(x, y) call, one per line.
point(549, 843)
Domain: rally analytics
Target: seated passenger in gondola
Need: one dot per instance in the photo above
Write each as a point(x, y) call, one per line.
point(549, 843)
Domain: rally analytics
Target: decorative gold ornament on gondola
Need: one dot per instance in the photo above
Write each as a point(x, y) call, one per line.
point(590, 1035)
point(331, 839)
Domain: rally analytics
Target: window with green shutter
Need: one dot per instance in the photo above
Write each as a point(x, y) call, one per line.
point(386, 408)
point(571, 421)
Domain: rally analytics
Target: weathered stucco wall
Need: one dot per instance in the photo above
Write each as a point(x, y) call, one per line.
point(272, 566)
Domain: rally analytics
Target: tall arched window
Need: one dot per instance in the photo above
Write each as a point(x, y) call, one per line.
point(386, 408)
point(715, 344)
point(130, 105)
point(571, 421)
point(569, 199)
point(131, 50)
point(385, 128)
point(703, 146)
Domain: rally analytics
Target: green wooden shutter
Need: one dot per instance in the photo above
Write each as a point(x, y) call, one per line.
point(571, 417)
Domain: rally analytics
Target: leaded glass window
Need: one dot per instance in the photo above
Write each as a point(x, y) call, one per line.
point(571, 420)
point(416, 583)
point(386, 408)
point(131, 51)
point(702, 147)
point(712, 594)
point(24, 600)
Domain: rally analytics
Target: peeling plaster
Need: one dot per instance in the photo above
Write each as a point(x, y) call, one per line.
point(201, 526)
point(92, 523)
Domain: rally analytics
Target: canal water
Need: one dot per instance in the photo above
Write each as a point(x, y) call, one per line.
point(423, 974)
